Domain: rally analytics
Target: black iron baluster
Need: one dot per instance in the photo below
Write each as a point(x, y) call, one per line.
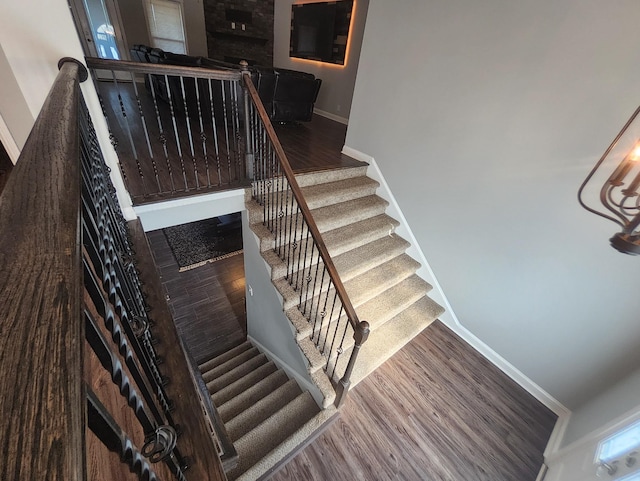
point(214, 129)
point(187, 121)
point(203, 135)
point(226, 127)
point(176, 133)
point(146, 131)
point(163, 136)
point(134, 151)
point(115, 439)
point(114, 367)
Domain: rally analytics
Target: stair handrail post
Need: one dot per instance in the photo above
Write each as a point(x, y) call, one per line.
point(360, 336)
point(249, 156)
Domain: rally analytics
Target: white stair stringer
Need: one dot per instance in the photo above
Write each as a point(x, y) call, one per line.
point(379, 277)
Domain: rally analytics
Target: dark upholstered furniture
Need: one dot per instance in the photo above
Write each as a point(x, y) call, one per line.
point(288, 95)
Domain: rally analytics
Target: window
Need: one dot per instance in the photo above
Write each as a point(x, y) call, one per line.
point(622, 442)
point(166, 25)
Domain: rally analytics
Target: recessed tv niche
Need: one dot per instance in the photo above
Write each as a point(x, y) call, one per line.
point(320, 31)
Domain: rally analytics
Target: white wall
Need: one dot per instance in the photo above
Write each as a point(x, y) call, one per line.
point(267, 325)
point(484, 118)
point(14, 108)
point(334, 98)
point(622, 397)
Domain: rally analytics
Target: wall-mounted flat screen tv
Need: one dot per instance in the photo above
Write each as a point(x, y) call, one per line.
point(320, 31)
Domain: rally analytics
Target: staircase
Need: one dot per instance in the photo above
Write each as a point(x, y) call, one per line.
point(265, 414)
point(378, 275)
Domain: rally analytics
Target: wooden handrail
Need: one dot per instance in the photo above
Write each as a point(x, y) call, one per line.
point(42, 405)
point(163, 69)
point(57, 205)
point(302, 204)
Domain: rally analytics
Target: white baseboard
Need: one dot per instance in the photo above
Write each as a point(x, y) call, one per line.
point(304, 384)
point(159, 215)
point(449, 317)
point(329, 115)
point(8, 142)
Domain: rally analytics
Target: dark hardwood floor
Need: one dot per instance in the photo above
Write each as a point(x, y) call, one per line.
point(207, 303)
point(436, 411)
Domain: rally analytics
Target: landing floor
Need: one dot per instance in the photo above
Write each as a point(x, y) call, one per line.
point(436, 411)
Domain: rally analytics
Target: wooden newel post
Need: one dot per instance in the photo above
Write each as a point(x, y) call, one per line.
point(360, 336)
point(249, 157)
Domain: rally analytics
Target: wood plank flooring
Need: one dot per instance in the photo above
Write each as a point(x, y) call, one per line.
point(207, 303)
point(436, 411)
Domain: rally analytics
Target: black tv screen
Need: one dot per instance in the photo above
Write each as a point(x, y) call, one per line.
point(319, 31)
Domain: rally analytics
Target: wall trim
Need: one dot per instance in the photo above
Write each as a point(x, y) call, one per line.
point(8, 142)
point(159, 215)
point(449, 318)
point(329, 115)
point(596, 435)
point(304, 384)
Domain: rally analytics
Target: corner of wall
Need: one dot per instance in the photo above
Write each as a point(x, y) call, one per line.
point(267, 324)
point(449, 317)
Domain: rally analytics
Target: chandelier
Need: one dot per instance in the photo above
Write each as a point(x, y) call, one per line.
point(618, 174)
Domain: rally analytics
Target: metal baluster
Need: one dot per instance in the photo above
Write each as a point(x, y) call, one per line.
point(145, 130)
point(187, 121)
point(134, 151)
point(226, 128)
point(293, 242)
point(114, 367)
point(163, 137)
point(203, 135)
point(116, 328)
point(214, 128)
point(115, 439)
point(176, 133)
point(340, 348)
point(333, 306)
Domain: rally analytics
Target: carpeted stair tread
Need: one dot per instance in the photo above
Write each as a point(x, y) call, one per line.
point(236, 373)
point(234, 389)
point(326, 218)
point(361, 288)
point(338, 241)
point(357, 261)
point(253, 394)
point(229, 365)
point(389, 338)
point(330, 175)
point(382, 277)
point(376, 311)
point(291, 444)
point(345, 213)
point(225, 356)
point(262, 409)
point(321, 195)
point(265, 437)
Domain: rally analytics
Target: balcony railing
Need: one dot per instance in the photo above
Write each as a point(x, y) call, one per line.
point(94, 382)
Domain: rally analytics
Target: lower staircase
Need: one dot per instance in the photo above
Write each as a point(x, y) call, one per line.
point(266, 415)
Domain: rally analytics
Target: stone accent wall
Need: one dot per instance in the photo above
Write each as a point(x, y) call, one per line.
point(240, 29)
